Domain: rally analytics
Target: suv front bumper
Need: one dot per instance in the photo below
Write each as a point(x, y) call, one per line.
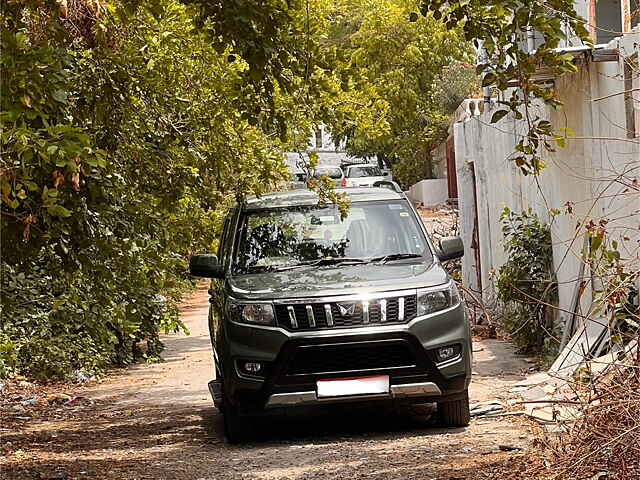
point(295, 361)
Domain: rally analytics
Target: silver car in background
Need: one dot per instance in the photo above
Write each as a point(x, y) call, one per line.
point(363, 175)
point(333, 172)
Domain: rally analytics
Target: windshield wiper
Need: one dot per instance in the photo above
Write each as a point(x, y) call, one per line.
point(340, 260)
point(323, 261)
point(395, 256)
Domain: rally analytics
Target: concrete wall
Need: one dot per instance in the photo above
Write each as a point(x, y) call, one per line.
point(589, 175)
point(430, 193)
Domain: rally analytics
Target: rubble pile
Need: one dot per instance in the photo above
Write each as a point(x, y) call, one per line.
point(604, 440)
point(590, 410)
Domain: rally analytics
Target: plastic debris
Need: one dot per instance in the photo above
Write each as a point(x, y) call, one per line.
point(508, 448)
point(81, 377)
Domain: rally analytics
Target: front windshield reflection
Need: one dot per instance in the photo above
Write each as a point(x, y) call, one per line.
point(296, 236)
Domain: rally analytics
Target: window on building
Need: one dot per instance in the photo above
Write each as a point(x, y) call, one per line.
point(608, 20)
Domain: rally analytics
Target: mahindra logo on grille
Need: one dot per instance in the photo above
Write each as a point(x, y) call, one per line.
point(347, 310)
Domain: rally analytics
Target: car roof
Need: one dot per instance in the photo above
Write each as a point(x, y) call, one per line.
point(360, 165)
point(327, 167)
point(304, 197)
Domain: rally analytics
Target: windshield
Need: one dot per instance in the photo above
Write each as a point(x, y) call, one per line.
point(332, 172)
point(285, 238)
point(355, 172)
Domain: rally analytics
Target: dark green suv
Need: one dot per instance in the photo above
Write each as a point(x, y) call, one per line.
point(309, 309)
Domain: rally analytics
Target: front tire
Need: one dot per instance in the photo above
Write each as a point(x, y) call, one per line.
point(455, 413)
point(237, 428)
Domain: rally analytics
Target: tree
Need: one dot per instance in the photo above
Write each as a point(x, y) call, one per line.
point(499, 29)
point(122, 145)
point(396, 62)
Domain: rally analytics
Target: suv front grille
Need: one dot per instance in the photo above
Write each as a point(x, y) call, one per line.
point(352, 313)
point(348, 358)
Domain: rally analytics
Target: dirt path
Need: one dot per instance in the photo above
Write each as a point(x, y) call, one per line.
point(158, 422)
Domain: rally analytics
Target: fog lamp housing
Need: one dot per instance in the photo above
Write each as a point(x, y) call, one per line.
point(252, 368)
point(446, 353)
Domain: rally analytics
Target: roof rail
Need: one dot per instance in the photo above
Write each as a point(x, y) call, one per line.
point(348, 163)
point(388, 184)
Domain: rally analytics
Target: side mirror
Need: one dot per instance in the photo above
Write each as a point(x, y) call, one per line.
point(451, 248)
point(205, 266)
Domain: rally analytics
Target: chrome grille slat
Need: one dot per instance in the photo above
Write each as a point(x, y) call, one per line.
point(383, 310)
point(311, 316)
point(292, 317)
point(328, 314)
point(365, 311)
point(401, 309)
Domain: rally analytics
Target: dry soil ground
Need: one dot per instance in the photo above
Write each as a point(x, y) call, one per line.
point(157, 422)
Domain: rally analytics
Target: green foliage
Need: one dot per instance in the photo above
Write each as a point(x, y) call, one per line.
point(526, 282)
point(500, 28)
point(454, 84)
point(396, 65)
point(122, 147)
point(616, 289)
point(128, 128)
point(409, 170)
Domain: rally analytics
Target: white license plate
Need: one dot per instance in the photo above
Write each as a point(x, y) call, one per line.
point(341, 387)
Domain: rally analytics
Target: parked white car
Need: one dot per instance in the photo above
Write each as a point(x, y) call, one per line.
point(363, 175)
point(334, 173)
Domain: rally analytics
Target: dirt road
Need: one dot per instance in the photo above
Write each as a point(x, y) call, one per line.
point(157, 422)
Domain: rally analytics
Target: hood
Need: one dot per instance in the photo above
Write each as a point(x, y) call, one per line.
point(366, 181)
point(336, 280)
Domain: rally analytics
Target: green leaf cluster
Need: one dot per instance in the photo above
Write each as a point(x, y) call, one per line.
point(526, 282)
point(124, 140)
point(407, 72)
point(499, 29)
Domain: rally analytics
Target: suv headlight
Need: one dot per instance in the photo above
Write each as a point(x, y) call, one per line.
point(255, 313)
point(432, 300)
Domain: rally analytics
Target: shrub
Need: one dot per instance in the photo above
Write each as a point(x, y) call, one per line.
point(526, 283)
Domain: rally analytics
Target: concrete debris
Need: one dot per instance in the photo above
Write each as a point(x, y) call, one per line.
point(587, 342)
point(484, 408)
point(552, 413)
point(18, 409)
point(600, 365)
point(534, 394)
point(549, 397)
point(534, 380)
point(503, 414)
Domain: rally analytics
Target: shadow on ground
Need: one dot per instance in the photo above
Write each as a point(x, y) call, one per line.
point(157, 443)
